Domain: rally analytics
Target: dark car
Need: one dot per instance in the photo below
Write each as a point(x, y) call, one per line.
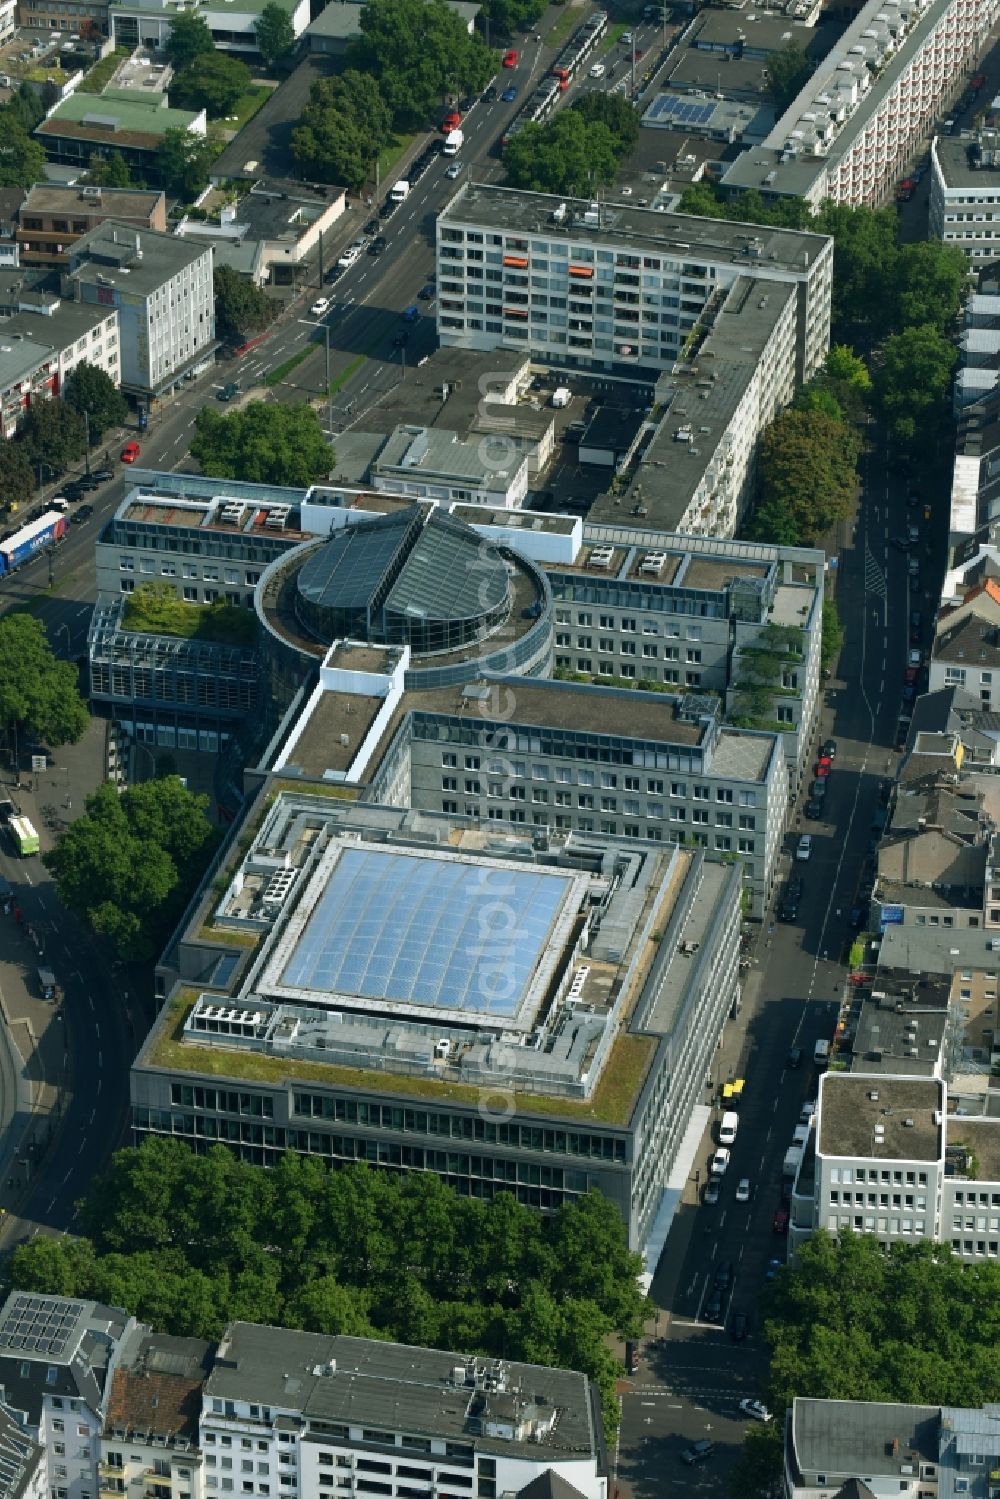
point(490, 96)
point(794, 1057)
point(901, 543)
point(697, 1452)
point(372, 226)
point(333, 274)
point(84, 513)
point(724, 1275)
point(779, 1223)
point(909, 692)
point(401, 339)
point(712, 1310)
point(74, 491)
point(427, 293)
point(378, 244)
point(814, 810)
point(856, 920)
point(829, 748)
point(103, 475)
point(741, 1327)
point(788, 912)
point(818, 788)
point(795, 885)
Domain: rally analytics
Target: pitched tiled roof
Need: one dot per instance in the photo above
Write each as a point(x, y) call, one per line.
point(159, 1389)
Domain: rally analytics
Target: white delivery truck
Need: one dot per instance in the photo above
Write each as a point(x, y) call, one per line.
point(727, 1128)
point(399, 191)
point(453, 142)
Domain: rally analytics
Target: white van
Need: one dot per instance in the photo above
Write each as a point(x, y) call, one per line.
point(821, 1053)
point(727, 1129)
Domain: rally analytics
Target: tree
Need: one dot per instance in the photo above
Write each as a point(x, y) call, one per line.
point(807, 475)
point(914, 383)
point(129, 865)
point(241, 307)
point(214, 82)
point(929, 279)
point(37, 691)
point(508, 16)
point(864, 259)
point(17, 479)
point(787, 72)
point(848, 368)
point(54, 434)
point(183, 160)
point(189, 37)
point(702, 200)
point(760, 1465)
point(613, 110)
point(833, 634)
point(107, 171)
point(344, 127)
point(263, 443)
point(90, 390)
point(275, 33)
point(22, 159)
point(568, 155)
point(421, 54)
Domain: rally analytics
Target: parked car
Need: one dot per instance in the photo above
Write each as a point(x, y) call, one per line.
point(814, 810)
point(794, 1057)
point(755, 1409)
point(427, 293)
point(779, 1223)
point(804, 847)
point(819, 787)
point(828, 749)
point(451, 122)
point(719, 1163)
point(710, 1196)
point(823, 767)
point(697, 1452)
point(130, 451)
point(740, 1327)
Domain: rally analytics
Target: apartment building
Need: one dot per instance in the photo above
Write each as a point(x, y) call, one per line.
point(305, 1414)
point(966, 648)
point(75, 332)
point(610, 286)
point(54, 216)
point(865, 111)
point(57, 1357)
point(161, 289)
point(149, 1444)
point(22, 1461)
point(975, 485)
point(27, 373)
point(891, 1160)
point(964, 207)
point(597, 1040)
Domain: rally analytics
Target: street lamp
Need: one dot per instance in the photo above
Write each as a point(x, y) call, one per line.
point(329, 389)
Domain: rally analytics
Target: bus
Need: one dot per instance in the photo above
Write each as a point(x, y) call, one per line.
point(24, 836)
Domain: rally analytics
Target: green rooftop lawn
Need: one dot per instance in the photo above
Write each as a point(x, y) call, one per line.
point(155, 610)
point(102, 72)
point(612, 1103)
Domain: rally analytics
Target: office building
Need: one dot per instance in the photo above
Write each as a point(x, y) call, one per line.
point(964, 205)
point(271, 230)
point(609, 286)
point(115, 123)
point(864, 113)
point(54, 216)
point(161, 288)
point(594, 1035)
point(57, 1356)
point(893, 1161)
point(146, 23)
point(320, 1414)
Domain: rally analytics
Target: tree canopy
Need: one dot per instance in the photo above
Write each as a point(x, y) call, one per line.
point(37, 691)
point(17, 479)
point(615, 111)
point(344, 127)
point(183, 160)
point(212, 81)
point(54, 434)
point(264, 443)
point(787, 72)
point(807, 475)
point(90, 390)
point(569, 154)
point(421, 53)
point(188, 1242)
point(508, 16)
point(188, 37)
point(107, 171)
point(241, 307)
point(854, 1321)
point(914, 383)
point(131, 863)
point(275, 33)
point(22, 158)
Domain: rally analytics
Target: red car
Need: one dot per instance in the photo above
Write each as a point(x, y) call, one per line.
point(823, 767)
point(780, 1221)
point(130, 452)
point(510, 59)
point(451, 122)
point(911, 674)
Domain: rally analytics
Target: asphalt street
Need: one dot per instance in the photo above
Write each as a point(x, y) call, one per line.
point(692, 1373)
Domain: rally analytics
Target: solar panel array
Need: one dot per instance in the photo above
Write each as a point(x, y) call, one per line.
point(40, 1324)
point(683, 111)
point(438, 933)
